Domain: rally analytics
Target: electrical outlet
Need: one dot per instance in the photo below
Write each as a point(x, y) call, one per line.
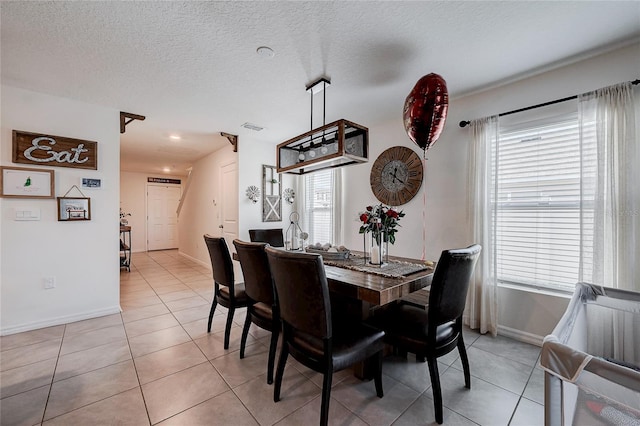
point(49, 282)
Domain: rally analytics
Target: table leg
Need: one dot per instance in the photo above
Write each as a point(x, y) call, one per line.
point(345, 310)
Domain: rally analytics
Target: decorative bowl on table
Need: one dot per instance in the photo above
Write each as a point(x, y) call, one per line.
point(329, 252)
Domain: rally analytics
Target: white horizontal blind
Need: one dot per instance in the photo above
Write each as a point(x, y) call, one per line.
point(318, 203)
point(539, 203)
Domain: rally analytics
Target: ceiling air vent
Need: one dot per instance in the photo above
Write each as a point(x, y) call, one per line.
point(251, 126)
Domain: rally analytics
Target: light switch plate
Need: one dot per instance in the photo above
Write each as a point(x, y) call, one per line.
point(27, 214)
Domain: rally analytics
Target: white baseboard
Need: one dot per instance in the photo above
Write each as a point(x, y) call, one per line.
point(198, 261)
point(520, 335)
point(59, 320)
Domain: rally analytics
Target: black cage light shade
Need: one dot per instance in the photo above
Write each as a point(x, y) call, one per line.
point(335, 144)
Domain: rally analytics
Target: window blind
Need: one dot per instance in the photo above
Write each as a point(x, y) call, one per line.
point(538, 205)
point(318, 203)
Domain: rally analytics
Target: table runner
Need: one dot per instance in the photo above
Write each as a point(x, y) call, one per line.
point(392, 269)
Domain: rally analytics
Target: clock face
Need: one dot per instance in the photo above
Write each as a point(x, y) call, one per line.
point(396, 176)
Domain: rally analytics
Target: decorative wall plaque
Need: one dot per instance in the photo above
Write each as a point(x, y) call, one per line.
point(272, 194)
point(56, 151)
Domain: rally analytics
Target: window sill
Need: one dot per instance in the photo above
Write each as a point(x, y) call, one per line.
point(565, 294)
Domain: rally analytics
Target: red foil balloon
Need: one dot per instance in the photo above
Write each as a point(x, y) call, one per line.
point(425, 110)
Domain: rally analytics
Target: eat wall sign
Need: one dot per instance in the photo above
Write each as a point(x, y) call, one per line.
point(57, 151)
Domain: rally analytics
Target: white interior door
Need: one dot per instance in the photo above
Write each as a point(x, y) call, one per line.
point(162, 220)
point(229, 209)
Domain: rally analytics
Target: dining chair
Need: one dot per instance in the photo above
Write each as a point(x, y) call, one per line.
point(272, 236)
point(308, 333)
point(262, 309)
point(228, 293)
point(435, 331)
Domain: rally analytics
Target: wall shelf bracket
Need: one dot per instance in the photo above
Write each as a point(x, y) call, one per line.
point(127, 117)
point(233, 139)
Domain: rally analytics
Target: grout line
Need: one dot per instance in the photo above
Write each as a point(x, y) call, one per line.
point(46, 404)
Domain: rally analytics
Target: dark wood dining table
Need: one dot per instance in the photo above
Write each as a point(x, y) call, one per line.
point(356, 295)
point(377, 290)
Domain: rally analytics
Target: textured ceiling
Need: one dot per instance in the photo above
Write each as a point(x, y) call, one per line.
point(192, 68)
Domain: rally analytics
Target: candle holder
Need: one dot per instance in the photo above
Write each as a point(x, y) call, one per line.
point(376, 248)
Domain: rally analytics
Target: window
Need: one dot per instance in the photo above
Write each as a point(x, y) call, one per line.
point(318, 203)
point(538, 207)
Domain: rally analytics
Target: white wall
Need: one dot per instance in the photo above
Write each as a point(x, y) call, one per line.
point(252, 155)
point(200, 211)
point(529, 316)
point(133, 199)
point(82, 256)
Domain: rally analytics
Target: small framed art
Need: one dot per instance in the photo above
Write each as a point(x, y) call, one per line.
point(22, 182)
point(90, 183)
point(74, 208)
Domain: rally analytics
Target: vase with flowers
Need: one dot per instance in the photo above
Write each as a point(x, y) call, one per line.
point(379, 226)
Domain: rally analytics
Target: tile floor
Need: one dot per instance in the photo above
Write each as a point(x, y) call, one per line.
point(155, 364)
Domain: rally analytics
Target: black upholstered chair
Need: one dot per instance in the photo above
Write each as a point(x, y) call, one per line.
point(272, 236)
point(261, 307)
point(229, 294)
point(436, 331)
point(307, 330)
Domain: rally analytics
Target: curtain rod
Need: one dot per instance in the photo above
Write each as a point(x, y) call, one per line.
point(464, 123)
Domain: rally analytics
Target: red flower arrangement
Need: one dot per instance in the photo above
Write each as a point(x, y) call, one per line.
point(379, 218)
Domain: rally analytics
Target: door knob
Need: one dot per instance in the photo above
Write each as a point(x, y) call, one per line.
point(220, 226)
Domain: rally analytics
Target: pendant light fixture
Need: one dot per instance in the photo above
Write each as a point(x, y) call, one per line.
point(336, 144)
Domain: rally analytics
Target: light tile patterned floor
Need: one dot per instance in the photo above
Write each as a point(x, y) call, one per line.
point(156, 364)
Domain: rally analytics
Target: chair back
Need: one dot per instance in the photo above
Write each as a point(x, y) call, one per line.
point(220, 261)
point(255, 268)
point(272, 236)
point(450, 284)
point(302, 291)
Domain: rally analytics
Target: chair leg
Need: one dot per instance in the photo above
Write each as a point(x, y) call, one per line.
point(465, 363)
point(284, 353)
point(213, 309)
point(245, 332)
point(227, 330)
point(326, 397)
point(272, 353)
point(377, 378)
point(435, 386)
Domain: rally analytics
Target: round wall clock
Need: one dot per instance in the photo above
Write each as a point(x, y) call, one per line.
point(396, 176)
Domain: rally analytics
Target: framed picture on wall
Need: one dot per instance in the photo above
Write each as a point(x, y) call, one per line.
point(22, 182)
point(90, 183)
point(272, 194)
point(74, 208)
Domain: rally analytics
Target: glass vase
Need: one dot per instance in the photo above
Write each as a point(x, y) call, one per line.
point(378, 248)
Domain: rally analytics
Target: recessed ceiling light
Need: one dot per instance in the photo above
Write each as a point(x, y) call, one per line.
point(265, 52)
point(166, 169)
point(175, 137)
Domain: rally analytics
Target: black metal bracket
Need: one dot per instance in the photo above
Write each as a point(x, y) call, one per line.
point(126, 118)
point(233, 139)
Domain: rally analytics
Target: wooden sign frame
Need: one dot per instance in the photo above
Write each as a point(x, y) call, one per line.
point(22, 182)
point(56, 151)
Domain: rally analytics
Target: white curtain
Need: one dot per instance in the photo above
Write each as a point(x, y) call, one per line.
point(336, 208)
point(482, 302)
point(610, 236)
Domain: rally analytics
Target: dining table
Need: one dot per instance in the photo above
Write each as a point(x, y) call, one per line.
point(358, 289)
point(375, 288)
